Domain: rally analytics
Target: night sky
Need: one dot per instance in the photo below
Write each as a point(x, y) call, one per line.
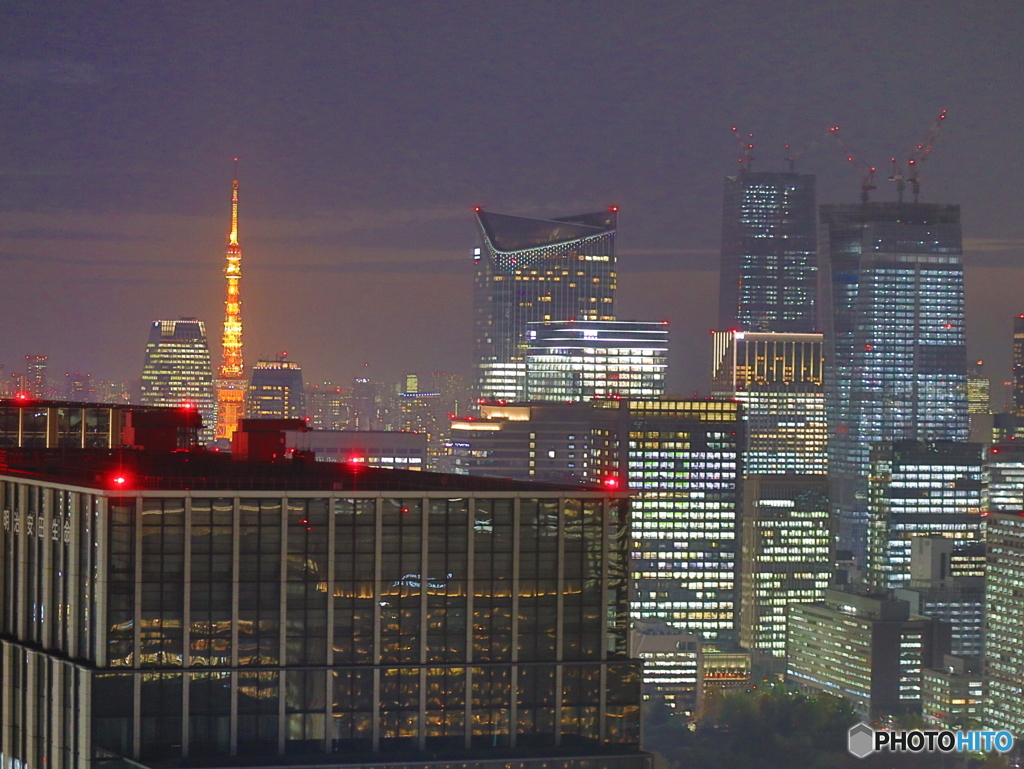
point(367, 131)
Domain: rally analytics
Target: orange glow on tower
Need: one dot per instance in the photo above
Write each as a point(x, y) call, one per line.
point(231, 382)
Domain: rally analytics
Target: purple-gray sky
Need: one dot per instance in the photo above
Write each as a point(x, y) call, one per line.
point(367, 131)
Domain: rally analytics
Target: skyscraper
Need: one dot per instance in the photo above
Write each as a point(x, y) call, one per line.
point(275, 391)
point(1018, 366)
point(683, 465)
point(769, 272)
point(177, 370)
point(231, 374)
point(533, 270)
point(1004, 615)
point(35, 375)
point(786, 554)
point(898, 365)
point(778, 377)
point(581, 360)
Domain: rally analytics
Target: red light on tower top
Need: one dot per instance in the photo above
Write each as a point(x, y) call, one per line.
point(613, 209)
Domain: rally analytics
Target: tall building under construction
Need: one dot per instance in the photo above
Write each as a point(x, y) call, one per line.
point(897, 369)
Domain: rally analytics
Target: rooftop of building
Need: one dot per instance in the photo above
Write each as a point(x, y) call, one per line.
point(514, 233)
point(132, 470)
point(890, 211)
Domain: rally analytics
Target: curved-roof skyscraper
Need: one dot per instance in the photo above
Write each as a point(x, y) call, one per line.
point(534, 270)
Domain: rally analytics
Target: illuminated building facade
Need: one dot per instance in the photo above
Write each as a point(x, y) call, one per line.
point(177, 370)
point(866, 648)
point(1004, 623)
point(329, 406)
point(672, 664)
point(898, 365)
point(769, 273)
point(953, 697)
point(1004, 477)
point(570, 360)
point(35, 375)
point(276, 391)
point(683, 468)
point(549, 442)
point(779, 380)
point(231, 382)
point(1018, 366)
point(535, 270)
point(919, 489)
point(786, 555)
point(174, 607)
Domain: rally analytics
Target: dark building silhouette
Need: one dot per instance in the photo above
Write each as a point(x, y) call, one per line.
point(535, 270)
point(183, 607)
point(769, 272)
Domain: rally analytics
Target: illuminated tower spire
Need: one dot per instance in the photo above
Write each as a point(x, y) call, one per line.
point(231, 374)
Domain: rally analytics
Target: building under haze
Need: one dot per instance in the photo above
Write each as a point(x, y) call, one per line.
point(534, 270)
point(176, 607)
point(569, 360)
point(177, 370)
point(1004, 626)
point(275, 391)
point(897, 369)
point(769, 272)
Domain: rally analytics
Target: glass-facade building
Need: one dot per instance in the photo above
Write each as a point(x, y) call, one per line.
point(786, 554)
point(177, 370)
point(275, 391)
point(769, 272)
point(1004, 623)
point(535, 270)
point(919, 489)
point(779, 379)
point(897, 364)
point(581, 360)
point(172, 607)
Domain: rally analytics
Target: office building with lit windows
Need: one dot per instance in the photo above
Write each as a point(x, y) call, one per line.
point(864, 647)
point(173, 608)
point(680, 460)
point(920, 489)
point(275, 391)
point(548, 442)
point(1018, 366)
point(1004, 477)
point(673, 662)
point(897, 369)
point(1004, 622)
point(683, 467)
point(779, 380)
point(786, 555)
point(177, 370)
point(534, 270)
point(953, 696)
point(769, 273)
point(569, 361)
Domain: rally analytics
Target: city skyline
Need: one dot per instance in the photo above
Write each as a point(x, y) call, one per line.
point(358, 222)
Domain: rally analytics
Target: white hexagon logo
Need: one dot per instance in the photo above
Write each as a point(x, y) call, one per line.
point(861, 740)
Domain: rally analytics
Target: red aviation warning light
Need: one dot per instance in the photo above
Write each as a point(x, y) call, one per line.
point(119, 481)
point(611, 483)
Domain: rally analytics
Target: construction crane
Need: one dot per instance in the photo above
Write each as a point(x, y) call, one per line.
point(920, 154)
point(746, 148)
point(867, 172)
